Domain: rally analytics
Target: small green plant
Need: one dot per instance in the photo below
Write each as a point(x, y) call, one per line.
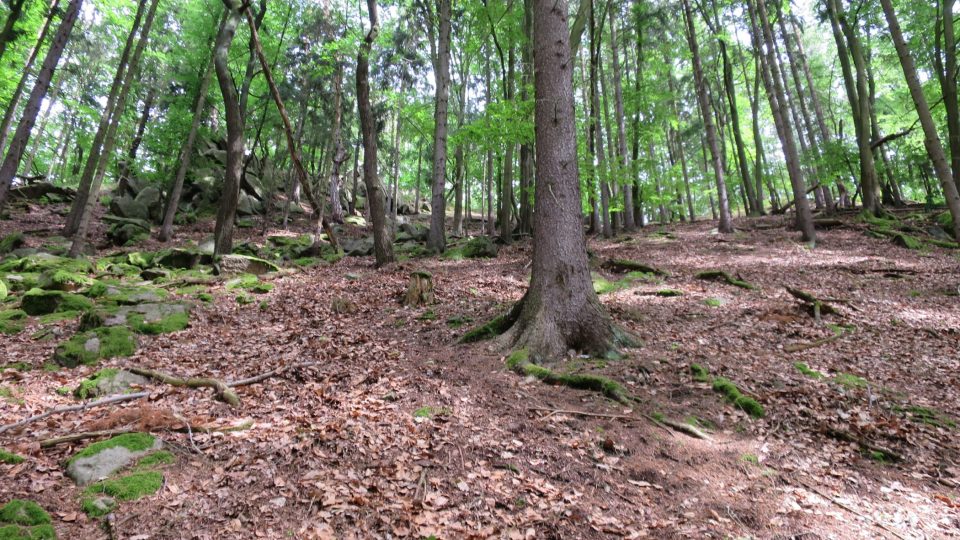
point(713, 302)
point(429, 412)
point(9, 458)
point(699, 373)
point(750, 458)
point(730, 391)
point(850, 381)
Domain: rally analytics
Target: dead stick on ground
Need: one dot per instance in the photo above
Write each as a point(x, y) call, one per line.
point(686, 429)
point(73, 408)
point(583, 413)
point(814, 344)
point(187, 428)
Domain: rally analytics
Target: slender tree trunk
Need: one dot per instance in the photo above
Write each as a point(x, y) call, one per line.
point(947, 75)
point(931, 138)
point(41, 129)
point(526, 149)
point(142, 124)
point(775, 94)
point(223, 230)
point(436, 238)
point(8, 169)
point(703, 97)
point(339, 152)
point(96, 147)
point(628, 219)
point(596, 134)
point(186, 153)
point(110, 140)
point(382, 242)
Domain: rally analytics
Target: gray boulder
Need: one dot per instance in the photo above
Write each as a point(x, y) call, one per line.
point(248, 205)
point(128, 207)
point(150, 198)
point(104, 458)
point(360, 247)
point(245, 264)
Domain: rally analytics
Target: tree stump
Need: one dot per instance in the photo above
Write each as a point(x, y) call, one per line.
point(420, 290)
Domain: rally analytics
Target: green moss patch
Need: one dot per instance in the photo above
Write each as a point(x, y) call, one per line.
point(625, 265)
point(88, 387)
point(480, 247)
point(63, 280)
point(729, 390)
point(924, 415)
point(12, 321)
point(25, 520)
point(713, 302)
point(850, 381)
point(173, 322)
point(668, 293)
point(129, 487)
point(700, 373)
point(9, 458)
point(155, 459)
point(88, 347)
point(806, 371)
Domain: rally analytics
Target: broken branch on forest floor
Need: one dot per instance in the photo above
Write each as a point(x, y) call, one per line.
point(797, 347)
point(224, 393)
point(186, 428)
point(720, 275)
point(678, 426)
point(819, 306)
point(72, 408)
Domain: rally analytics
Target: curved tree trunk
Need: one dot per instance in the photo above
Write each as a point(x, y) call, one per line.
point(18, 144)
point(560, 310)
point(223, 230)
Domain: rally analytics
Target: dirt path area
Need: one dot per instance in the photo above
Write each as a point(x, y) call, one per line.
point(397, 431)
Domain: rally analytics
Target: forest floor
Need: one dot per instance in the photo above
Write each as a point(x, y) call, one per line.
point(398, 431)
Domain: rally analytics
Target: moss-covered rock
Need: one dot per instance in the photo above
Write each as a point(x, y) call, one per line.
point(165, 324)
point(101, 498)
point(63, 280)
point(179, 259)
point(245, 264)
point(480, 247)
point(41, 302)
point(89, 347)
point(25, 520)
point(108, 381)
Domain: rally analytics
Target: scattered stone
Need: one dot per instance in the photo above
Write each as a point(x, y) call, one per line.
point(415, 231)
point(101, 459)
point(181, 259)
point(128, 207)
point(361, 247)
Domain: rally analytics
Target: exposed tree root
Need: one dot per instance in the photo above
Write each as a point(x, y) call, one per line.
point(797, 347)
point(819, 306)
point(495, 327)
point(187, 427)
point(682, 428)
point(720, 275)
point(223, 391)
point(624, 265)
point(519, 361)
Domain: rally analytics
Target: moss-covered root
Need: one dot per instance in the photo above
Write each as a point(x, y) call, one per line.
point(720, 275)
point(495, 327)
point(625, 265)
point(519, 361)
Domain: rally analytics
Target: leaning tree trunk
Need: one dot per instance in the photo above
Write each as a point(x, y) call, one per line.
point(931, 139)
point(8, 33)
point(382, 243)
point(725, 224)
point(22, 136)
point(560, 310)
point(186, 153)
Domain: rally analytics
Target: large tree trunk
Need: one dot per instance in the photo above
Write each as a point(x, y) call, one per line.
point(560, 310)
point(725, 224)
point(436, 238)
point(223, 230)
point(771, 78)
point(382, 243)
point(96, 147)
point(22, 136)
point(931, 139)
point(186, 153)
point(110, 140)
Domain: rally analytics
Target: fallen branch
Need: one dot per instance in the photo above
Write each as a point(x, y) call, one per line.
point(224, 393)
point(797, 347)
point(73, 408)
point(583, 413)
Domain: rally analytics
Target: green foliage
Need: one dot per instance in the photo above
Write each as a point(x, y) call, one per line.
point(155, 459)
point(713, 302)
